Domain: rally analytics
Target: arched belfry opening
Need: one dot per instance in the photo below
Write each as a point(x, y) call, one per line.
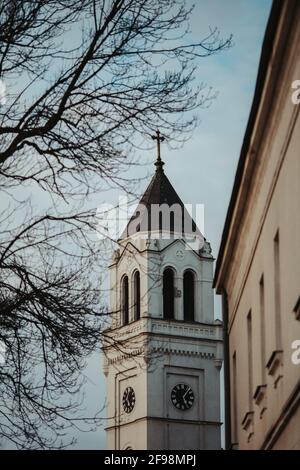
point(137, 295)
point(189, 296)
point(168, 294)
point(125, 300)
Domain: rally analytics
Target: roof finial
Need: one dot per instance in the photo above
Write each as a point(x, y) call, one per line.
point(159, 138)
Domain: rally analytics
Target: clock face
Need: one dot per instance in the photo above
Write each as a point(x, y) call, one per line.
point(128, 399)
point(182, 397)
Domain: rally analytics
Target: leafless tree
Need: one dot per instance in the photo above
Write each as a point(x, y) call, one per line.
point(85, 82)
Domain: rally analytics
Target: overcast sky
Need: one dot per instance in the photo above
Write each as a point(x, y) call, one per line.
point(203, 170)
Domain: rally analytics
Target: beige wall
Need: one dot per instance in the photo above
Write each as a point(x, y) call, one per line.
point(283, 216)
point(271, 186)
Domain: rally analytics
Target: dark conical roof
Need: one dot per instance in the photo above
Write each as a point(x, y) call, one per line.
point(160, 192)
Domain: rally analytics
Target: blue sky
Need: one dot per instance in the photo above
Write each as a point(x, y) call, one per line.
point(203, 170)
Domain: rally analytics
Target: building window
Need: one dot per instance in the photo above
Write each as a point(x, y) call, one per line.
point(189, 296)
point(278, 332)
point(168, 293)
point(262, 329)
point(250, 359)
point(125, 301)
point(234, 399)
point(137, 295)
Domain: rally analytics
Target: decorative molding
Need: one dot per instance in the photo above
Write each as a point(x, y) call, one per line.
point(125, 356)
point(180, 254)
point(247, 420)
point(248, 424)
point(178, 293)
point(260, 399)
point(296, 309)
point(151, 353)
point(157, 326)
point(206, 251)
point(156, 250)
point(181, 352)
point(131, 329)
point(275, 366)
point(218, 363)
point(184, 329)
point(166, 420)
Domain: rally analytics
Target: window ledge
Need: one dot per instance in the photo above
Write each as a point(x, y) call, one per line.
point(248, 424)
point(274, 366)
point(297, 309)
point(260, 399)
point(259, 393)
point(248, 420)
point(234, 446)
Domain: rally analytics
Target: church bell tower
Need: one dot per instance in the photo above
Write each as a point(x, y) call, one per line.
point(163, 350)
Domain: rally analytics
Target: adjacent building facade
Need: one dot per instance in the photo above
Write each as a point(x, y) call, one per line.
point(258, 267)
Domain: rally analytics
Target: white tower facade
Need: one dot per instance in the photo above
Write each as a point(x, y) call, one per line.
point(163, 351)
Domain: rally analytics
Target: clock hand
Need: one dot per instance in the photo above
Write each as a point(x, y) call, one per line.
point(126, 400)
point(186, 392)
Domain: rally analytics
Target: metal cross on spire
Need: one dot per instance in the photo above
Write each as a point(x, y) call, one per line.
point(159, 138)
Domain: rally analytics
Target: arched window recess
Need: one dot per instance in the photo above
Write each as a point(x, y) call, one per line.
point(189, 296)
point(168, 293)
point(125, 300)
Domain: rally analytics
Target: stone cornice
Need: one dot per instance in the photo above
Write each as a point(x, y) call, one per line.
point(160, 327)
point(180, 351)
point(153, 352)
point(201, 422)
